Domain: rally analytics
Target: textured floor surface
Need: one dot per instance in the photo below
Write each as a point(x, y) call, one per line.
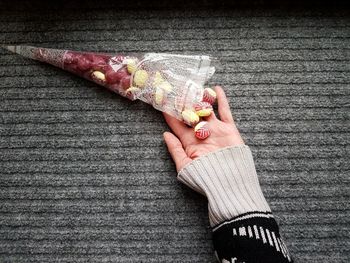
point(85, 175)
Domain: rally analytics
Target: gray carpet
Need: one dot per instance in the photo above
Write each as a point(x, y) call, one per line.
point(85, 175)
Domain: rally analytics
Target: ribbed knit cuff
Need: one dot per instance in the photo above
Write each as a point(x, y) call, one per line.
point(228, 179)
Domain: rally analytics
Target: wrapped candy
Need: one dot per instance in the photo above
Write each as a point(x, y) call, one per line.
point(203, 109)
point(209, 96)
point(201, 130)
point(170, 83)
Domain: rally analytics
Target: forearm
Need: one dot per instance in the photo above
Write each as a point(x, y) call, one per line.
point(244, 229)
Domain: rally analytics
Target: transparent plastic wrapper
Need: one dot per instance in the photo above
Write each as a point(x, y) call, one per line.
point(170, 83)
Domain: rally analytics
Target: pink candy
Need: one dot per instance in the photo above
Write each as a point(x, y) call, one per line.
point(84, 64)
point(125, 82)
point(112, 76)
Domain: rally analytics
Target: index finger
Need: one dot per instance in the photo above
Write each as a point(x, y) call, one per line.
point(178, 127)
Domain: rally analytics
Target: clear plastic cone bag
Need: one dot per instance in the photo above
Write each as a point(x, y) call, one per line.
point(170, 83)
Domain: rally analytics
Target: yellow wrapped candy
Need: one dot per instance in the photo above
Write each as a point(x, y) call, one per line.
point(160, 82)
point(131, 65)
point(203, 109)
point(140, 78)
point(166, 86)
point(158, 79)
point(190, 117)
point(159, 96)
point(132, 90)
point(98, 76)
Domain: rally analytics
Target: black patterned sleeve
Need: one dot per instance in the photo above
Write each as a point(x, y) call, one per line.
point(252, 237)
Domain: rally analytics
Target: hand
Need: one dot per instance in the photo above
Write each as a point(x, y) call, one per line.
point(185, 147)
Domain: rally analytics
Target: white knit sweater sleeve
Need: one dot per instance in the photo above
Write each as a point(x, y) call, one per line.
point(228, 179)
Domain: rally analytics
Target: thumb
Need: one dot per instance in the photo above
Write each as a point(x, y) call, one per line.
point(176, 150)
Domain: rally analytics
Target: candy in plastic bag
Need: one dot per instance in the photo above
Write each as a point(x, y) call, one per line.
point(170, 83)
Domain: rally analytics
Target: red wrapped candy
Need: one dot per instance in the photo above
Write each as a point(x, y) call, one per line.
point(201, 130)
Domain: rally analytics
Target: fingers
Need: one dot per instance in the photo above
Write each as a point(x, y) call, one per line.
point(176, 150)
point(223, 105)
point(178, 127)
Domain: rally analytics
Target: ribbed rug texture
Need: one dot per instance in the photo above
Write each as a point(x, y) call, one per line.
point(85, 175)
